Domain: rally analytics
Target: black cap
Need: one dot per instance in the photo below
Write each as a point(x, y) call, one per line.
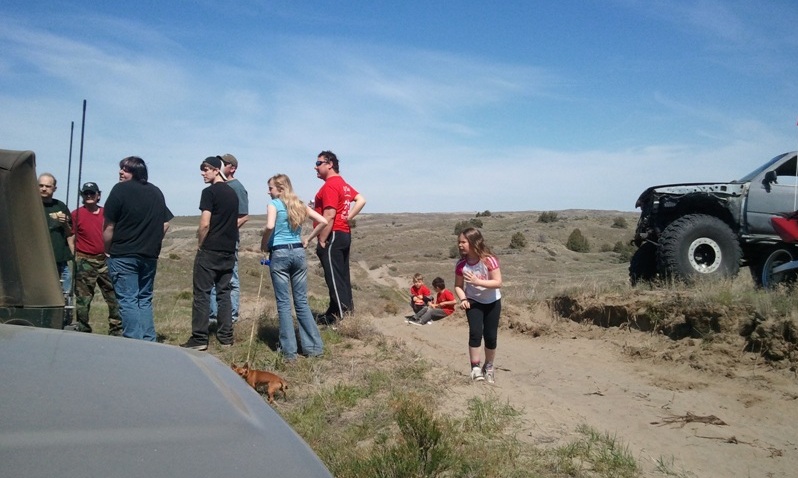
point(90, 187)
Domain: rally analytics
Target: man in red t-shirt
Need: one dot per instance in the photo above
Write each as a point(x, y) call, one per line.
point(339, 203)
point(90, 265)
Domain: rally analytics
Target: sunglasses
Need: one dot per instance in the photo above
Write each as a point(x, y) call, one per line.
point(89, 193)
point(319, 163)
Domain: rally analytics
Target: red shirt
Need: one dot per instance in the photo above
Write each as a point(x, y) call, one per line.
point(445, 296)
point(88, 229)
point(337, 194)
point(422, 291)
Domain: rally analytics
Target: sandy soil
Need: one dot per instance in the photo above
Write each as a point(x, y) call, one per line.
point(695, 423)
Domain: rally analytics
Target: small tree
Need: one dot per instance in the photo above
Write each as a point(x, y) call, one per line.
point(577, 242)
point(518, 241)
point(548, 217)
point(458, 228)
point(625, 250)
point(454, 251)
point(619, 223)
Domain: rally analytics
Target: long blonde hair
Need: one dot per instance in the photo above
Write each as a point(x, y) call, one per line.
point(297, 212)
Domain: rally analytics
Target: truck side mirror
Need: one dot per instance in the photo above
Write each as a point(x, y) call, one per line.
point(770, 178)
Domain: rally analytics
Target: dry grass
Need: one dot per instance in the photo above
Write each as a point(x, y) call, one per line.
point(350, 404)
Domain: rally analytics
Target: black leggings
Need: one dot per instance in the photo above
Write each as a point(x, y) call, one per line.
point(483, 321)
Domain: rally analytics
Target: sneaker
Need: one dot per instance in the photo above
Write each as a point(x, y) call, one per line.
point(226, 346)
point(489, 374)
point(194, 345)
point(476, 374)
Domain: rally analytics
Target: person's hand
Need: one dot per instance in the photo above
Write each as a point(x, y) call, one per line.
point(465, 304)
point(469, 276)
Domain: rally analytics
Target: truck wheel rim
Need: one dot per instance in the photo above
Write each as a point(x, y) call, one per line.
point(704, 255)
point(769, 278)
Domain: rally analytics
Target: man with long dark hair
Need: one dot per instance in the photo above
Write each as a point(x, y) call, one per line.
point(136, 220)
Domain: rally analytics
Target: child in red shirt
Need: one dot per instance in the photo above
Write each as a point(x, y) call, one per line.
point(419, 293)
point(443, 305)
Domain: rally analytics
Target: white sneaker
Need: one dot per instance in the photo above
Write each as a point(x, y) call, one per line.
point(489, 375)
point(476, 374)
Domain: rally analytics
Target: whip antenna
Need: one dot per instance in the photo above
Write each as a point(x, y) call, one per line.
point(69, 164)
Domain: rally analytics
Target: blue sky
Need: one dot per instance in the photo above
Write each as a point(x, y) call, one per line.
point(432, 106)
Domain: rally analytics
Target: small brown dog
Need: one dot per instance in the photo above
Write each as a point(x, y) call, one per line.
point(256, 378)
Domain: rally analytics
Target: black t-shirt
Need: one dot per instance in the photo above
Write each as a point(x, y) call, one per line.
point(222, 202)
point(57, 230)
point(138, 212)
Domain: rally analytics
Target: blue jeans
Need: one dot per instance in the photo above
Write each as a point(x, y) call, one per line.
point(234, 294)
point(133, 279)
point(289, 270)
point(65, 275)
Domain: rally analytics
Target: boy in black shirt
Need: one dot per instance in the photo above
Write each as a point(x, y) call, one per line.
point(213, 266)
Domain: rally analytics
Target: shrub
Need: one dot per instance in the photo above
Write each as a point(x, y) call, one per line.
point(577, 242)
point(518, 241)
point(485, 213)
point(625, 250)
point(460, 226)
point(454, 252)
point(548, 217)
point(619, 223)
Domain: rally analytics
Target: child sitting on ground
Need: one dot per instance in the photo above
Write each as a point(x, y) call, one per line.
point(419, 293)
point(443, 305)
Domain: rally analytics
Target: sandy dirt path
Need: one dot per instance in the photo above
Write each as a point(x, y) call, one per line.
point(560, 383)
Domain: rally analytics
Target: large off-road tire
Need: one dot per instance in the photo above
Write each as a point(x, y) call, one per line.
point(756, 260)
point(643, 265)
point(698, 246)
point(766, 278)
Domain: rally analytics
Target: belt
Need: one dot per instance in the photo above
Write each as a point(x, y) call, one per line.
point(89, 256)
point(296, 245)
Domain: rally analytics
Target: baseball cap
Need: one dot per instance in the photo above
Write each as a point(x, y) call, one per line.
point(230, 159)
point(216, 163)
point(90, 187)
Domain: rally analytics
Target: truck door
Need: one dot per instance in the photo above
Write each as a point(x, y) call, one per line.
point(766, 197)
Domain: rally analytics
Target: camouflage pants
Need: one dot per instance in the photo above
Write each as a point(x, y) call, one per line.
point(92, 271)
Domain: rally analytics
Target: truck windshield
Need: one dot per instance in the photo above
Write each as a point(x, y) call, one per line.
point(764, 167)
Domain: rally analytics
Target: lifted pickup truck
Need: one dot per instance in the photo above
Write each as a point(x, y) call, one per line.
point(709, 230)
